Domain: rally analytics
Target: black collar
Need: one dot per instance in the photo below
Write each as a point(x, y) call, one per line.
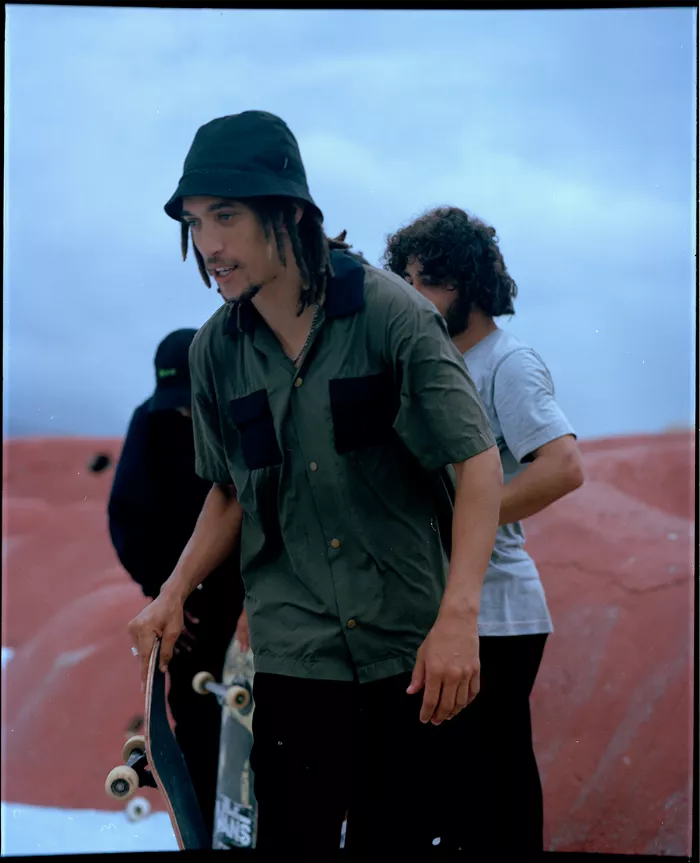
point(346, 290)
point(345, 296)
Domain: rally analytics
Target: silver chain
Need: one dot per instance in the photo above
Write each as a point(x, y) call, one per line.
point(294, 360)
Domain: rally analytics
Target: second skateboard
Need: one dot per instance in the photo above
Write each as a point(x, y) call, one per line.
point(235, 818)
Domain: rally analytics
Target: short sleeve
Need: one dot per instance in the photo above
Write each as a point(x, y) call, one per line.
point(523, 398)
point(210, 456)
point(440, 419)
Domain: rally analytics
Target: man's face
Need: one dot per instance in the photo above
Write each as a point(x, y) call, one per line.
point(454, 309)
point(232, 242)
point(441, 296)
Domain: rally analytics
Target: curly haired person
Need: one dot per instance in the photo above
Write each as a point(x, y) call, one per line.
point(453, 259)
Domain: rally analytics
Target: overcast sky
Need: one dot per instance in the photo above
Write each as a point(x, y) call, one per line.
point(572, 132)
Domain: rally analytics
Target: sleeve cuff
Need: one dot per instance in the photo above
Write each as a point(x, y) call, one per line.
point(475, 445)
point(215, 476)
point(540, 438)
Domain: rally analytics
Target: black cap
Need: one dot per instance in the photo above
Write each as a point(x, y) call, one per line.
point(248, 155)
point(173, 385)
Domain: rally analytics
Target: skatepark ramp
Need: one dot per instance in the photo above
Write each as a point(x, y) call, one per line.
point(612, 707)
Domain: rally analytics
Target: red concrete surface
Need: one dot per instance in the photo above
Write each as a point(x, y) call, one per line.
point(612, 707)
point(72, 687)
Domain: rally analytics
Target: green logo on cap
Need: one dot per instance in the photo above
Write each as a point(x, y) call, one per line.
point(167, 373)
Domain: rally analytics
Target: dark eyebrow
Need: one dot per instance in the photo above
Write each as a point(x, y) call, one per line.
point(212, 208)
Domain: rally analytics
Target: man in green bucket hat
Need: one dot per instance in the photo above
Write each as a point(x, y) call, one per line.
point(327, 402)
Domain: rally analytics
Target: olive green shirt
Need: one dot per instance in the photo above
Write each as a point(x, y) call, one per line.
point(334, 465)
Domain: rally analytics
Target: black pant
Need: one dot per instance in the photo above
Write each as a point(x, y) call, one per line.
point(197, 717)
point(324, 747)
point(494, 795)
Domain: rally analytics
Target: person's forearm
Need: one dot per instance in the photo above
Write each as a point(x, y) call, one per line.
point(542, 483)
point(474, 526)
point(214, 538)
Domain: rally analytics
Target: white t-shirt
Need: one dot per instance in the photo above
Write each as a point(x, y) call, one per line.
point(518, 395)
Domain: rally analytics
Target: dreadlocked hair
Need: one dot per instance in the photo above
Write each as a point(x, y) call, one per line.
point(310, 246)
point(338, 244)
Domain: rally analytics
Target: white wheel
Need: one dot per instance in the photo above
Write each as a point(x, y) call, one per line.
point(122, 783)
point(199, 681)
point(133, 744)
point(137, 809)
point(237, 698)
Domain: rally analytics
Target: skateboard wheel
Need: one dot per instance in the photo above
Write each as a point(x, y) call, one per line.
point(137, 809)
point(200, 680)
point(122, 783)
point(237, 698)
point(134, 744)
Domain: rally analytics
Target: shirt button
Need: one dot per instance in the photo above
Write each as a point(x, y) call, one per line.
point(298, 382)
point(313, 466)
point(352, 624)
point(335, 543)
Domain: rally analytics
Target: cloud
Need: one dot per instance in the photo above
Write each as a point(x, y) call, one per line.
point(508, 191)
point(584, 168)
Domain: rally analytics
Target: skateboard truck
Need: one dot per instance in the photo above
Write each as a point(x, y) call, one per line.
point(235, 697)
point(124, 781)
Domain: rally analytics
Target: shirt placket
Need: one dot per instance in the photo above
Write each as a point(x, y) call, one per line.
point(321, 476)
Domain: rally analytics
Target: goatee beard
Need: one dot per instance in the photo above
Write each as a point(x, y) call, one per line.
point(247, 295)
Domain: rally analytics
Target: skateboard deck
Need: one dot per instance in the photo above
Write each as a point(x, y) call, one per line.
point(156, 760)
point(235, 818)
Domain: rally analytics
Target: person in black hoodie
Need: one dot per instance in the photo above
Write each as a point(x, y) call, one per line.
point(155, 501)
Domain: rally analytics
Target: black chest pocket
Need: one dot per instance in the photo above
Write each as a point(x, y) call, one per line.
point(253, 419)
point(363, 411)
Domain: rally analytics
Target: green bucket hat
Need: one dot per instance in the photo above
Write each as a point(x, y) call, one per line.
point(249, 155)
